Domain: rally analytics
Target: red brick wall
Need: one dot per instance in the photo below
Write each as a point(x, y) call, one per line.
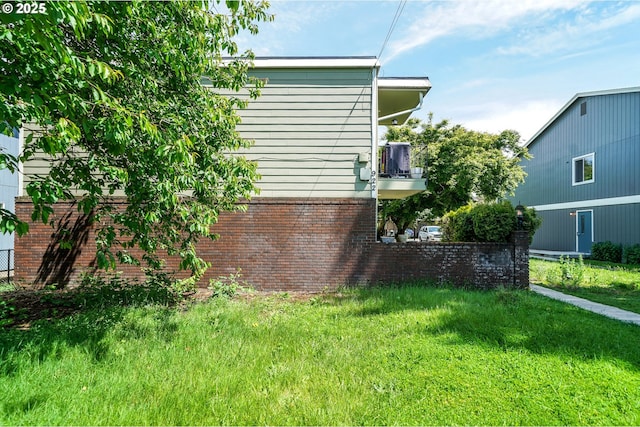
point(287, 244)
point(38, 258)
point(292, 244)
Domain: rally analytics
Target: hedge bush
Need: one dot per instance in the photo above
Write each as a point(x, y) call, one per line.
point(606, 251)
point(531, 222)
point(491, 222)
point(631, 254)
point(616, 253)
point(458, 225)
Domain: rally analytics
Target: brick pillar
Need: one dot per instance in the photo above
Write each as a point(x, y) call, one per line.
point(520, 240)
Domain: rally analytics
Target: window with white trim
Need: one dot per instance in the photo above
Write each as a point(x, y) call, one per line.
point(584, 169)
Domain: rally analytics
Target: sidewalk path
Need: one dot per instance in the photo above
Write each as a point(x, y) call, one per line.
point(605, 310)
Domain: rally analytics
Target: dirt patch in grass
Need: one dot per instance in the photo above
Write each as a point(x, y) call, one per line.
point(20, 308)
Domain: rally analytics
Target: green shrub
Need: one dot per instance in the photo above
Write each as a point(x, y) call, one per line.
point(493, 222)
point(631, 254)
point(572, 271)
point(567, 272)
point(7, 312)
point(458, 225)
point(228, 286)
point(103, 291)
point(531, 222)
point(606, 251)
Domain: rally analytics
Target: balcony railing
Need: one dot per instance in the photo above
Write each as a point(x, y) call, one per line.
point(397, 179)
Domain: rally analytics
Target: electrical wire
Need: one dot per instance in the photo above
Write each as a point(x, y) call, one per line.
point(392, 27)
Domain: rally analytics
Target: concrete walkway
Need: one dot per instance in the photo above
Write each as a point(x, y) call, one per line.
point(605, 310)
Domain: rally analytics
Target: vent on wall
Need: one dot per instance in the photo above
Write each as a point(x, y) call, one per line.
point(583, 108)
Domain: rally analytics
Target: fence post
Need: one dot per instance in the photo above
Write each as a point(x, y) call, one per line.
point(520, 241)
point(8, 265)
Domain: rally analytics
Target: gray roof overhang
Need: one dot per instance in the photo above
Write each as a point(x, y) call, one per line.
point(398, 97)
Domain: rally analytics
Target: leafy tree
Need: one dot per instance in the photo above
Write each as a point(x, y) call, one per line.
point(114, 93)
point(462, 165)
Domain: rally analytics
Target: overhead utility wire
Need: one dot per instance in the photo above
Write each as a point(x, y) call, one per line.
point(396, 18)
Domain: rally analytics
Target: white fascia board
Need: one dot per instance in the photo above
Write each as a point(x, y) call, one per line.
point(316, 62)
point(610, 201)
point(574, 99)
point(404, 83)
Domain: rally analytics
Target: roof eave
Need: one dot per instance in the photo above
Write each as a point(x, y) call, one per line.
point(399, 97)
point(317, 62)
point(574, 99)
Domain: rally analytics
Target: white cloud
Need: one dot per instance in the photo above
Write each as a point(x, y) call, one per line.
point(475, 18)
point(526, 116)
point(588, 30)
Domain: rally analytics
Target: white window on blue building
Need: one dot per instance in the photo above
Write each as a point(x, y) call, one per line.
point(584, 169)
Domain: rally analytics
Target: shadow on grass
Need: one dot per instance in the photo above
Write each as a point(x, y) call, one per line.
point(82, 318)
point(501, 319)
point(511, 320)
point(47, 339)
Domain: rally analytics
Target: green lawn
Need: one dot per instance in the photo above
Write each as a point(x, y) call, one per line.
point(400, 356)
point(616, 285)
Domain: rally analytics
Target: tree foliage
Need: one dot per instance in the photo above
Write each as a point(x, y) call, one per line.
point(115, 93)
point(462, 165)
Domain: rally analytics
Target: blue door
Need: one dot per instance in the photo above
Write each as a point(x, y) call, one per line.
point(584, 231)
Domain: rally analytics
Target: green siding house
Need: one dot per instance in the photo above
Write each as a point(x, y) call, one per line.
point(584, 176)
point(315, 127)
point(313, 223)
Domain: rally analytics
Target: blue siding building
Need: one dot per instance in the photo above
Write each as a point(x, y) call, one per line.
point(584, 176)
point(9, 188)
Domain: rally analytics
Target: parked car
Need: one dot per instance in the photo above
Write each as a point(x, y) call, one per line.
point(430, 233)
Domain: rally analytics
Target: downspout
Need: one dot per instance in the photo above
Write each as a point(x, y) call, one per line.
point(418, 107)
point(374, 134)
point(374, 147)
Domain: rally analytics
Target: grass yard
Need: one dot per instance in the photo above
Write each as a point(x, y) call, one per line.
point(616, 285)
point(399, 356)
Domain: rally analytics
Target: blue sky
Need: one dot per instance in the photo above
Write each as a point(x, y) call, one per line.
point(494, 65)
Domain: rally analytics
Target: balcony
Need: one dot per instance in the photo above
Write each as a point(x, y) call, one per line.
point(397, 179)
point(397, 99)
point(399, 188)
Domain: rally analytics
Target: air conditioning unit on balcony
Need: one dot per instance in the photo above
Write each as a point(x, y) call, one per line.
point(395, 161)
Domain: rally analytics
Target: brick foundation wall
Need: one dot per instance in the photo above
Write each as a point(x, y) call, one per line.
point(286, 244)
point(292, 244)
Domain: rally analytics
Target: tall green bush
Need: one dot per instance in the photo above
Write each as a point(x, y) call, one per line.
point(531, 222)
point(493, 222)
point(458, 225)
point(490, 222)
